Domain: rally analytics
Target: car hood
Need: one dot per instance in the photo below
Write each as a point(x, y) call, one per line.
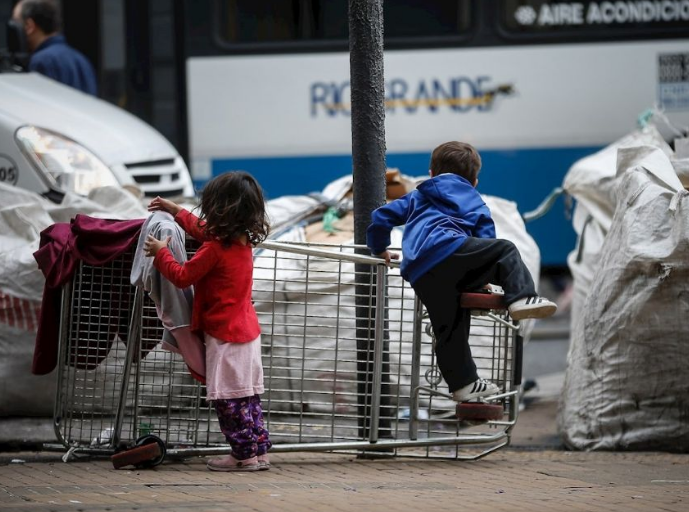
point(111, 133)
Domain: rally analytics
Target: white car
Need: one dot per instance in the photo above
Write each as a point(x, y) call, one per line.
point(54, 138)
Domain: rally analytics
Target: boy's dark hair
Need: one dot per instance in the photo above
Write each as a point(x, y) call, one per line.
point(232, 205)
point(44, 13)
point(456, 158)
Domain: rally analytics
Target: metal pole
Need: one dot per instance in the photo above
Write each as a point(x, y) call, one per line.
point(133, 343)
point(415, 371)
point(368, 161)
point(378, 352)
point(390, 444)
point(368, 110)
point(64, 346)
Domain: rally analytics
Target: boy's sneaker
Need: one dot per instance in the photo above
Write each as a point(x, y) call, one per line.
point(476, 389)
point(532, 307)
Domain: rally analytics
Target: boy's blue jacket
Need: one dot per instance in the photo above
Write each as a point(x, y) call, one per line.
point(439, 216)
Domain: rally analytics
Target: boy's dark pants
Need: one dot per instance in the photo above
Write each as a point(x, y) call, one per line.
point(478, 261)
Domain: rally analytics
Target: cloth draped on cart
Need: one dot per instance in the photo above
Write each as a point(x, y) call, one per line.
point(173, 305)
point(62, 247)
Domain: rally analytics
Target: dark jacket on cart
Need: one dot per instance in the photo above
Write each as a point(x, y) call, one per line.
point(438, 216)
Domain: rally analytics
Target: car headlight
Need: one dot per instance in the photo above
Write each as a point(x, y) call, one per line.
point(67, 163)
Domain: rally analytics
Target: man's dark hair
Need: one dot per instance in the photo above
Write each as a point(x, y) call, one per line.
point(44, 13)
point(456, 158)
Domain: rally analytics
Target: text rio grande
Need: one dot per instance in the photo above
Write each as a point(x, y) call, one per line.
point(456, 94)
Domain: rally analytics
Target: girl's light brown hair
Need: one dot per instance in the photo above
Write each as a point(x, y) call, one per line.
point(232, 205)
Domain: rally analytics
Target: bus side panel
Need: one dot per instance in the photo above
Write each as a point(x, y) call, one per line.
point(286, 117)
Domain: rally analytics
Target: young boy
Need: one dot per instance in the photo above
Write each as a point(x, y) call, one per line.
point(449, 247)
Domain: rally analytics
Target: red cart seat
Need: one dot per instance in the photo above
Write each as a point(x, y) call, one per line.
point(478, 300)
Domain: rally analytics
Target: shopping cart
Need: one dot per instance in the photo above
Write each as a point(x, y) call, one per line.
point(347, 353)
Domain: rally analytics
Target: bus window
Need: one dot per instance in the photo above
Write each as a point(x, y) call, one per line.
point(403, 18)
point(592, 17)
point(328, 20)
point(248, 21)
point(424, 18)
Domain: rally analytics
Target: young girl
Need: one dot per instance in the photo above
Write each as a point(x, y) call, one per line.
point(232, 221)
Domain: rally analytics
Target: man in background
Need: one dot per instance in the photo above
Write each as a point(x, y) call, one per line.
point(50, 54)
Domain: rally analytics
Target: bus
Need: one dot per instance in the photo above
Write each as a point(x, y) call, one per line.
point(535, 85)
point(264, 86)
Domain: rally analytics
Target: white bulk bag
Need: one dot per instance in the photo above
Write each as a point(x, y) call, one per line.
point(592, 182)
point(23, 215)
point(627, 381)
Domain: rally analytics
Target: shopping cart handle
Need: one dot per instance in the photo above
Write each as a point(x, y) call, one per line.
point(545, 206)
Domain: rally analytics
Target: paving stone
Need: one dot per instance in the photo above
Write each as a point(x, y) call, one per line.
point(506, 480)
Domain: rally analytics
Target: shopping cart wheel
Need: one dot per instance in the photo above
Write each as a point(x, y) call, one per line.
point(147, 452)
point(479, 411)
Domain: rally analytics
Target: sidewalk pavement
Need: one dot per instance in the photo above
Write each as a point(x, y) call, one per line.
point(534, 474)
point(509, 480)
